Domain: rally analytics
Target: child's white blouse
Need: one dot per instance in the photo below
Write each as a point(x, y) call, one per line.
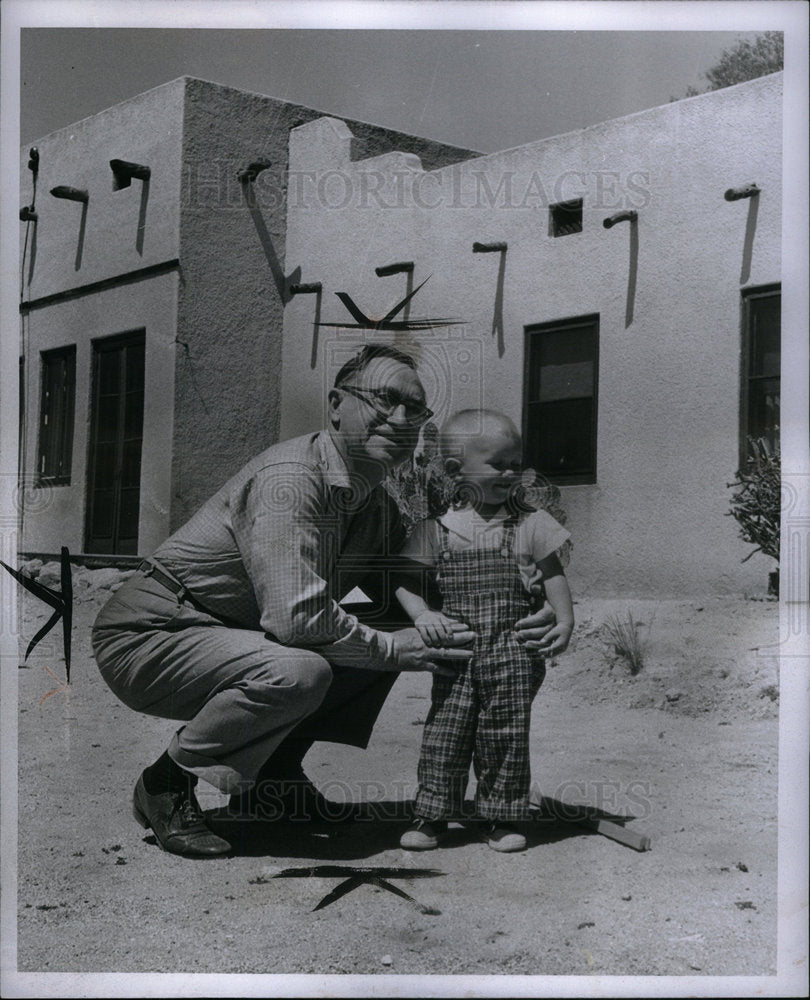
point(537, 535)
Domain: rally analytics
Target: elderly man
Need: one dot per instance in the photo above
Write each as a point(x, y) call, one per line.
point(234, 625)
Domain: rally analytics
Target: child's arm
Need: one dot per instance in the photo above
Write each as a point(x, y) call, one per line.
point(415, 586)
point(434, 627)
point(417, 590)
point(559, 597)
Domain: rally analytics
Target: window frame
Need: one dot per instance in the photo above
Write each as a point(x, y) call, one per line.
point(589, 478)
point(749, 296)
point(55, 441)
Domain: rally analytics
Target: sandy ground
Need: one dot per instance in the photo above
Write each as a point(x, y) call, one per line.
point(688, 747)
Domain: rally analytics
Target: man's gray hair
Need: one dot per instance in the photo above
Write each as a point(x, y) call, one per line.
point(366, 355)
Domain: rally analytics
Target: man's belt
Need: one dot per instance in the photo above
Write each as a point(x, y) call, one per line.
point(163, 578)
point(149, 567)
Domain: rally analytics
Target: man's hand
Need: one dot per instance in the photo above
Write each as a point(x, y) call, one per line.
point(556, 639)
point(411, 652)
point(435, 628)
point(535, 627)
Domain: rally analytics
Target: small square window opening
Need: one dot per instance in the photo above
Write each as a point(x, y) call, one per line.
point(565, 218)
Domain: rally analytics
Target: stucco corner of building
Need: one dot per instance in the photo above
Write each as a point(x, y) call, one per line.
point(391, 163)
point(325, 142)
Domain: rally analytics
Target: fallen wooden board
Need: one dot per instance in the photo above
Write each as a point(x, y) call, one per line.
point(592, 819)
point(624, 835)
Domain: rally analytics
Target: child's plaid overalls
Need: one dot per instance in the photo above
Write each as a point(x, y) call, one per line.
point(483, 713)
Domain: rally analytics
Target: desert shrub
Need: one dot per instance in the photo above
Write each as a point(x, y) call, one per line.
point(623, 638)
point(421, 488)
point(756, 504)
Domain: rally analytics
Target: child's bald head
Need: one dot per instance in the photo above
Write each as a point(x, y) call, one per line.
point(478, 428)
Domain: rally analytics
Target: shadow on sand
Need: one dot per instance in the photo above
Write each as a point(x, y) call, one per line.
point(376, 828)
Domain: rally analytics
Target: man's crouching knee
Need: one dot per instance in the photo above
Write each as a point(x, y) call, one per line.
point(313, 679)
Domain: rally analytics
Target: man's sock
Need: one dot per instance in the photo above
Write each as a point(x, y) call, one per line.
point(166, 776)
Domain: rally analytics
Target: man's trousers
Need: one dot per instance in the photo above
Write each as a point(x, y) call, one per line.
point(239, 693)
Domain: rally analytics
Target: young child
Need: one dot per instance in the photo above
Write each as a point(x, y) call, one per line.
point(491, 551)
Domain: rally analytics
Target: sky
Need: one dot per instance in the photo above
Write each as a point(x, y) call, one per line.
point(484, 90)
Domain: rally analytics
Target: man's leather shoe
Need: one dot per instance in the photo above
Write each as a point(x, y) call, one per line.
point(177, 822)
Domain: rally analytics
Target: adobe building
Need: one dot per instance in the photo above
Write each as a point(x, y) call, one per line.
point(154, 288)
point(615, 290)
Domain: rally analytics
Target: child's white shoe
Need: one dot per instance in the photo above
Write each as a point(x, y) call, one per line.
point(503, 837)
point(424, 835)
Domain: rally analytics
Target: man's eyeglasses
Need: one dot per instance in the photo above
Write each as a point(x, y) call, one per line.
point(386, 401)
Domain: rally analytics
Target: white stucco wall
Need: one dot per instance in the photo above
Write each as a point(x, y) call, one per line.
point(147, 130)
point(55, 515)
point(232, 240)
point(668, 420)
point(124, 232)
point(191, 261)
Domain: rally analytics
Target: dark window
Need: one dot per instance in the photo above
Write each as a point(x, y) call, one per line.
point(21, 424)
point(114, 486)
point(56, 416)
point(565, 218)
point(560, 399)
point(759, 397)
